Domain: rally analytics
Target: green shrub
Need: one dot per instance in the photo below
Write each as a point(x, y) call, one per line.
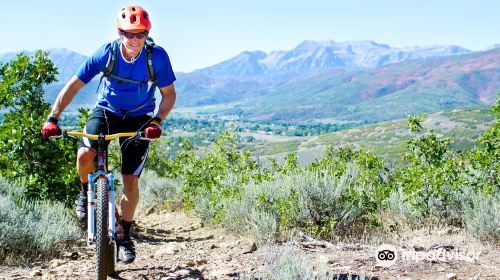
point(242, 216)
point(314, 201)
point(400, 214)
point(482, 218)
point(368, 180)
point(10, 189)
point(33, 230)
point(155, 190)
point(201, 176)
point(289, 263)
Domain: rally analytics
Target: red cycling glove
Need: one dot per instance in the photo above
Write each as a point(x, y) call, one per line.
point(50, 128)
point(154, 128)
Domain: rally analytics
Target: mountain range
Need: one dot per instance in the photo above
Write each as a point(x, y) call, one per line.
point(356, 81)
point(312, 55)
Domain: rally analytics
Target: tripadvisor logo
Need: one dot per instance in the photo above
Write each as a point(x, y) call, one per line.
point(386, 255)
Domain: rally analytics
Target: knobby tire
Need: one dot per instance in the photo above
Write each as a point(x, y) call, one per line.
point(105, 261)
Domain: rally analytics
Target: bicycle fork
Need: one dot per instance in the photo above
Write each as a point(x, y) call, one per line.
point(112, 212)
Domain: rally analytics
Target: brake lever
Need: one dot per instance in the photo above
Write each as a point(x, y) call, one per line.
point(141, 135)
point(64, 134)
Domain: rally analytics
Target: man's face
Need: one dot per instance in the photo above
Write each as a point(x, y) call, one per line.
point(134, 40)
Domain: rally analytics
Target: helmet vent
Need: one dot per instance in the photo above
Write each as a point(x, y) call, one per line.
point(133, 17)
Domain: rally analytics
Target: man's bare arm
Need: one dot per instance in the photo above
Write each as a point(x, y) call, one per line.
point(65, 96)
point(167, 102)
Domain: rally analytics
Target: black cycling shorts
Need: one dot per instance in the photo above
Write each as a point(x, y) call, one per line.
point(134, 152)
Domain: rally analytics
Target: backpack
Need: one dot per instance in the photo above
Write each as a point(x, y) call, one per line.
point(111, 65)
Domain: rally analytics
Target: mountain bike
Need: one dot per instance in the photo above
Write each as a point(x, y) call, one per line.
point(102, 213)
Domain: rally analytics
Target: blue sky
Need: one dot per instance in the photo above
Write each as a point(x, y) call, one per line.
point(199, 33)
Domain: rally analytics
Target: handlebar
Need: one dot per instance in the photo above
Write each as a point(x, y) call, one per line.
point(74, 134)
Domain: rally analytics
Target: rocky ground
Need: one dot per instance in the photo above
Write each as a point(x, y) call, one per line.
point(171, 245)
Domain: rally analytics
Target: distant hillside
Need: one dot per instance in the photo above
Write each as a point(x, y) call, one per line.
point(373, 94)
point(463, 126)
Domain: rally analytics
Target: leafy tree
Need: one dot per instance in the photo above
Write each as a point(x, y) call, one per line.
point(485, 158)
point(431, 176)
point(46, 167)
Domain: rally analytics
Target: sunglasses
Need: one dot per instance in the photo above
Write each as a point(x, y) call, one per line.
point(129, 35)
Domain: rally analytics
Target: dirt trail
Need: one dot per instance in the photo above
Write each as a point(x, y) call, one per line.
point(171, 245)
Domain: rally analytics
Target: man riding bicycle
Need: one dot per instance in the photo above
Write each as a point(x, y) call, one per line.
point(125, 103)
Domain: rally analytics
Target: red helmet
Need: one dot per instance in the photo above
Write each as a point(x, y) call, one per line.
point(133, 17)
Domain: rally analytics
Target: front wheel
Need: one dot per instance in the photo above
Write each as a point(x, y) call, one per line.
point(110, 265)
point(105, 259)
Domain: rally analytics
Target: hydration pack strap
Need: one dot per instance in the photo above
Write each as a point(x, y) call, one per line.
point(128, 80)
point(125, 112)
point(149, 60)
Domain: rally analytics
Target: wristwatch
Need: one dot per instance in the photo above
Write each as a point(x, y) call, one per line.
point(52, 120)
point(156, 121)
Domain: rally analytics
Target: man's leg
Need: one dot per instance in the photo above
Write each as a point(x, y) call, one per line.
point(130, 196)
point(97, 123)
point(85, 163)
point(128, 203)
point(134, 155)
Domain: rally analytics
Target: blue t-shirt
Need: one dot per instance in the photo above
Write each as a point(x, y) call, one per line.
point(117, 96)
